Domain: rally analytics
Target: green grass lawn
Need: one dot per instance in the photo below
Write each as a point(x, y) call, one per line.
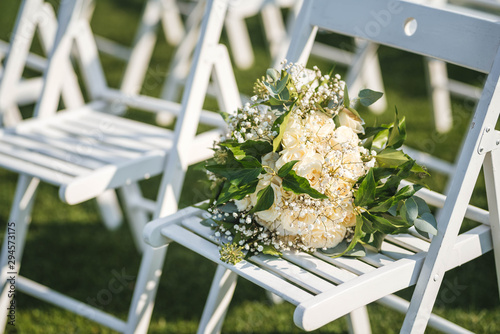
point(70, 250)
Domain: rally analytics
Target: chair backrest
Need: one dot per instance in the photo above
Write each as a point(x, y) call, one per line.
point(32, 14)
point(449, 36)
point(458, 38)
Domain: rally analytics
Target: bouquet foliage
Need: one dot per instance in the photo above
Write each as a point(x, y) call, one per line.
point(298, 170)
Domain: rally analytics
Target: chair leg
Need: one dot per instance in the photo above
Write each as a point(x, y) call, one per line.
point(239, 41)
point(358, 321)
point(109, 208)
point(14, 239)
point(136, 216)
point(221, 293)
point(145, 290)
point(437, 78)
point(492, 164)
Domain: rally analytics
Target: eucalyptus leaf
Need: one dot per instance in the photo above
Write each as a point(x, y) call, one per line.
point(410, 210)
point(229, 207)
point(367, 97)
point(209, 222)
point(426, 223)
point(273, 74)
point(281, 85)
point(422, 205)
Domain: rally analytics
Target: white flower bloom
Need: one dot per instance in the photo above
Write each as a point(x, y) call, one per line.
point(343, 135)
point(347, 118)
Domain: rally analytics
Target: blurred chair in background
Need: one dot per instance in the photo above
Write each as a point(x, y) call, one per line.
point(87, 150)
point(16, 91)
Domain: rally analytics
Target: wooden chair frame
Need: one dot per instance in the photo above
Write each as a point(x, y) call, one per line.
point(316, 284)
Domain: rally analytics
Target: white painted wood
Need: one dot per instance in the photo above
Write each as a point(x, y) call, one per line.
point(358, 321)
point(217, 304)
point(405, 260)
point(20, 215)
point(491, 170)
point(118, 152)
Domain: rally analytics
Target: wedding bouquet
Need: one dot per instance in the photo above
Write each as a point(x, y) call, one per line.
point(298, 170)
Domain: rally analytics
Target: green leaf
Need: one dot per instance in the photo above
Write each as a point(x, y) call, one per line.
point(300, 185)
point(209, 222)
point(279, 126)
point(341, 250)
point(392, 183)
point(374, 241)
point(397, 133)
point(237, 172)
point(225, 116)
point(409, 210)
point(367, 97)
point(366, 191)
point(380, 139)
point(422, 205)
point(286, 168)
point(273, 74)
point(382, 224)
point(391, 158)
point(426, 223)
point(371, 131)
point(281, 85)
point(358, 235)
point(236, 192)
point(347, 102)
point(265, 199)
point(270, 250)
point(229, 207)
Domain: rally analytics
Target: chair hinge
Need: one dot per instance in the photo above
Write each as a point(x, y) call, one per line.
point(490, 140)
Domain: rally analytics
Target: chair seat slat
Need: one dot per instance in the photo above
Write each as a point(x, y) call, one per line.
point(42, 160)
point(277, 285)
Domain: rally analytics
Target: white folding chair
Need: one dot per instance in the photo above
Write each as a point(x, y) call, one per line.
point(88, 150)
point(440, 86)
point(16, 91)
point(323, 288)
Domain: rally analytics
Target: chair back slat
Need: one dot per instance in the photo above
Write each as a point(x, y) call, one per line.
point(460, 38)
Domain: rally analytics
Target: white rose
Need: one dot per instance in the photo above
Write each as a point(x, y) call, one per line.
point(353, 165)
point(243, 204)
point(287, 155)
point(291, 138)
point(350, 218)
point(327, 127)
point(310, 167)
point(270, 159)
point(343, 135)
point(326, 235)
point(347, 118)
